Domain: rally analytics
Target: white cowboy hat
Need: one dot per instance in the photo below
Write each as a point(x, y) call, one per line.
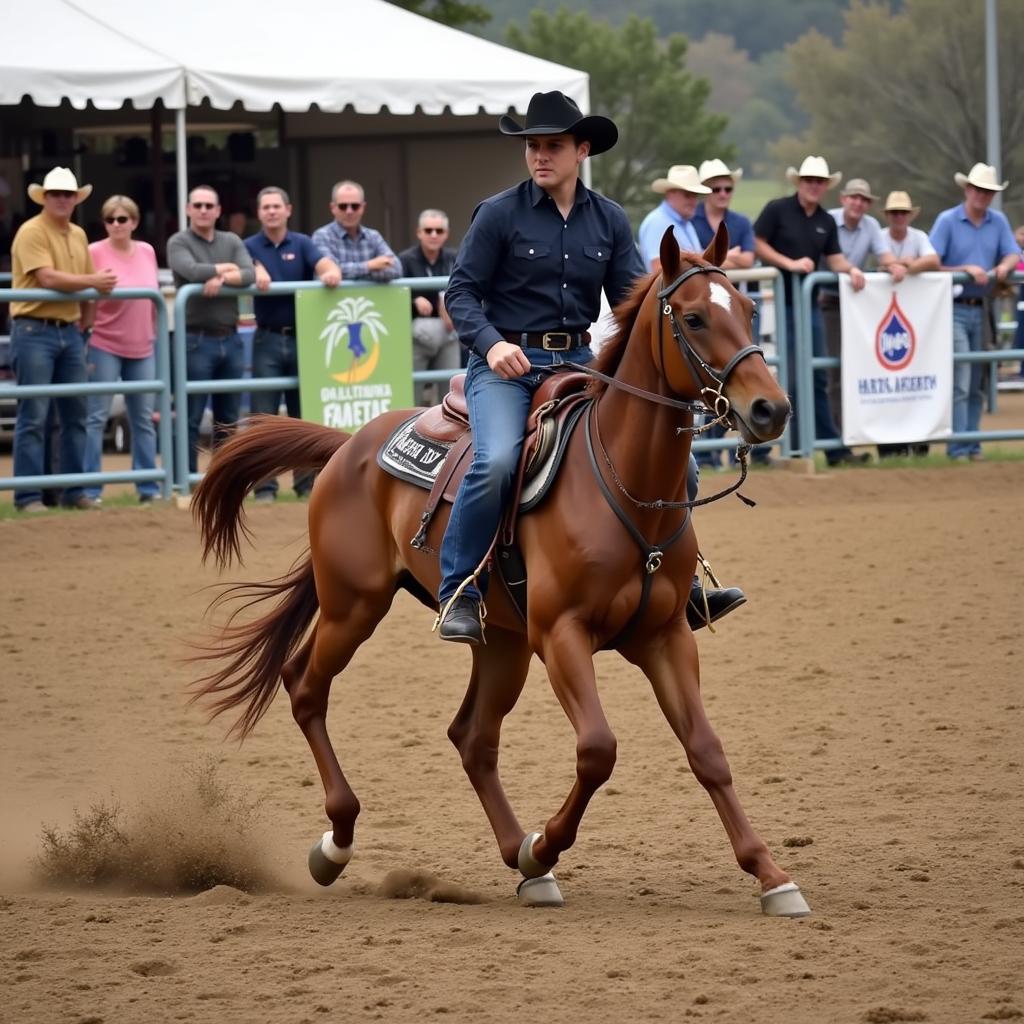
point(682, 176)
point(60, 179)
point(981, 176)
point(718, 169)
point(813, 167)
point(901, 201)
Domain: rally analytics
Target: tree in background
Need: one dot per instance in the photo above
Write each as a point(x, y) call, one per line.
point(456, 13)
point(642, 83)
point(902, 101)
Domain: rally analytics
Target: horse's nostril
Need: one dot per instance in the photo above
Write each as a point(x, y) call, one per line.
point(762, 412)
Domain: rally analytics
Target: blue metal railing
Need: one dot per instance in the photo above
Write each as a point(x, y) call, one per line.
point(160, 386)
point(808, 364)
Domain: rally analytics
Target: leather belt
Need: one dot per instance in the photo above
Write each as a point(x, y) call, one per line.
point(550, 341)
point(49, 321)
point(275, 330)
point(969, 301)
point(212, 332)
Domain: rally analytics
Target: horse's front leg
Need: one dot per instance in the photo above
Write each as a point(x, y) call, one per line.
point(670, 662)
point(568, 656)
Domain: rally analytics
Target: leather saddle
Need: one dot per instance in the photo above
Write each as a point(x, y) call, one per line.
point(556, 408)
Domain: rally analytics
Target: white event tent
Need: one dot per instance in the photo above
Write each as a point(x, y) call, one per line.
point(366, 55)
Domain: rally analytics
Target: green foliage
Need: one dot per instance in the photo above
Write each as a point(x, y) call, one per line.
point(902, 101)
point(456, 13)
point(642, 83)
point(757, 27)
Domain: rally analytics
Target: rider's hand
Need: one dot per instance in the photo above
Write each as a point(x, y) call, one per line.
point(507, 360)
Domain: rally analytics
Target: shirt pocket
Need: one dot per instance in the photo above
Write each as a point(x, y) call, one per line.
point(599, 253)
point(531, 250)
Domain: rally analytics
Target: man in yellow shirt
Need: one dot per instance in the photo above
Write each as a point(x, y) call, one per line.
point(47, 340)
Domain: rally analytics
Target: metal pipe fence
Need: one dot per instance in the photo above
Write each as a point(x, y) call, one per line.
point(160, 385)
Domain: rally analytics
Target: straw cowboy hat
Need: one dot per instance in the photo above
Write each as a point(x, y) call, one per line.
point(682, 176)
point(554, 113)
point(60, 179)
point(981, 176)
point(901, 201)
point(717, 169)
point(858, 187)
point(813, 167)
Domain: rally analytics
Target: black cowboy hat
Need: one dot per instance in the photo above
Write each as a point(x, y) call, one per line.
point(553, 113)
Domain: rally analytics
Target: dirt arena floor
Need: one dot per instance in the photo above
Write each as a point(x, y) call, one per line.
point(869, 697)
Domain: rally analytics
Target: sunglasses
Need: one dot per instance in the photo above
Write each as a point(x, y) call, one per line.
point(349, 206)
point(61, 194)
point(121, 219)
point(722, 188)
point(433, 231)
point(204, 206)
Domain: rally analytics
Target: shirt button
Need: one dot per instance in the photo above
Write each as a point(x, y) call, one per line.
point(566, 255)
point(564, 318)
point(598, 252)
point(531, 252)
point(565, 286)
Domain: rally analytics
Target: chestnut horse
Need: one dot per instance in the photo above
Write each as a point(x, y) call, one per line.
point(596, 549)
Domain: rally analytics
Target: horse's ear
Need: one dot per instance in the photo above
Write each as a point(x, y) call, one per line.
point(718, 250)
point(669, 255)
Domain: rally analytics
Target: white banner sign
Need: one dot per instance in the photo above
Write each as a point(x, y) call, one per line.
point(897, 359)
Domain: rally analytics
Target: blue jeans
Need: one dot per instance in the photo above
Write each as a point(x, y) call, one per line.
point(968, 334)
point(106, 367)
point(275, 355)
point(498, 410)
point(824, 424)
point(47, 354)
point(212, 357)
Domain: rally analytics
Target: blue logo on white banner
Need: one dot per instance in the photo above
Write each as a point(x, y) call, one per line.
point(895, 390)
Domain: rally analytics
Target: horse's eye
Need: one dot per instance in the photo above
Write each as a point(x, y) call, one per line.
point(693, 321)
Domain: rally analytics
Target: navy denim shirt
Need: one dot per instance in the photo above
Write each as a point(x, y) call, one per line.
point(521, 267)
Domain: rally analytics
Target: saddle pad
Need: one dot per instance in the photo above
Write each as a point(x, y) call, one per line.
point(412, 457)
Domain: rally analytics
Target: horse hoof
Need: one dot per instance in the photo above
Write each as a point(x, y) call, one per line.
point(784, 901)
point(326, 860)
point(529, 866)
point(540, 892)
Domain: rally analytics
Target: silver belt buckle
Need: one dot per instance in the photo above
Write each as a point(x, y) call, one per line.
point(548, 345)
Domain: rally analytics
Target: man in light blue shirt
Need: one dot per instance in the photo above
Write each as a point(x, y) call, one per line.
point(682, 190)
point(978, 241)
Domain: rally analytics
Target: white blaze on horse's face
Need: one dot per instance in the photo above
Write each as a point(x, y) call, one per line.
point(720, 296)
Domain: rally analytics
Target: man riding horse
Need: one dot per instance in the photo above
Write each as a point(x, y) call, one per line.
point(525, 287)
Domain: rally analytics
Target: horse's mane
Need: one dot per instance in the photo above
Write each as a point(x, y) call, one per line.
point(626, 313)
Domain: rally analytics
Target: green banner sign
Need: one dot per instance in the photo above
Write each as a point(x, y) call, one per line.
point(355, 353)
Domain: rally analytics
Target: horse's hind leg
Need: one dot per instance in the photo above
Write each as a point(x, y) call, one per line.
point(670, 663)
point(499, 672)
point(307, 678)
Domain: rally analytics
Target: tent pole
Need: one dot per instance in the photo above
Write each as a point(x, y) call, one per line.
point(181, 153)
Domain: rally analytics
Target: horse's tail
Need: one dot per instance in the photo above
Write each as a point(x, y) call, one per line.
point(257, 650)
point(269, 446)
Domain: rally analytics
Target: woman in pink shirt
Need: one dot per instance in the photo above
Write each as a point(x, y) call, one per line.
point(121, 345)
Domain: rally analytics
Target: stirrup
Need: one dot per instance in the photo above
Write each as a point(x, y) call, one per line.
point(442, 612)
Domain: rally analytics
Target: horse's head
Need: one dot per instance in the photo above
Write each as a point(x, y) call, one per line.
point(703, 342)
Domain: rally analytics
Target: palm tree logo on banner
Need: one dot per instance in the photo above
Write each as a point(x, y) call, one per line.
point(356, 320)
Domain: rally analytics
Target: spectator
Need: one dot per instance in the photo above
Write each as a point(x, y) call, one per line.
point(860, 238)
point(435, 345)
point(47, 342)
point(978, 241)
point(361, 252)
point(214, 349)
point(682, 190)
point(911, 248)
point(793, 234)
point(718, 177)
point(121, 344)
point(281, 255)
